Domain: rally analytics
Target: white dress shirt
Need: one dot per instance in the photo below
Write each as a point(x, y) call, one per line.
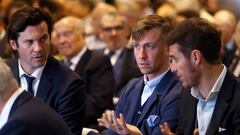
point(115, 56)
point(36, 74)
point(74, 60)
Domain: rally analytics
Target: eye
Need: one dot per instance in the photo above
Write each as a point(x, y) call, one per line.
point(150, 46)
point(67, 34)
point(28, 42)
point(44, 39)
point(136, 46)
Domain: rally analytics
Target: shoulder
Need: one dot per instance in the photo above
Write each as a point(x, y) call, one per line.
point(35, 114)
point(98, 56)
point(135, 83)
point(58, 70)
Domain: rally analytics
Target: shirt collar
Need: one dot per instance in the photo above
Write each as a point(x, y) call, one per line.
point(215, 89)
point(36, 74)
point(74, 60)
point(118, 52)
point(7, 107)
point(154, 81)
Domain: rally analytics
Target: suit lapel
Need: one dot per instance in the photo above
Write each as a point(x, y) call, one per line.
point(45, 84)
point(189, 106)
point(161, 89)
point(222, 104)
point(135, 95)
point(81, 66)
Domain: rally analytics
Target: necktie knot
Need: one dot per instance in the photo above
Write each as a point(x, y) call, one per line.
point(110, 54)
point(29, 80)
point(68, 63)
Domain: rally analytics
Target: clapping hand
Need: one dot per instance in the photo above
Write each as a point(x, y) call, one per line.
point(119, 125)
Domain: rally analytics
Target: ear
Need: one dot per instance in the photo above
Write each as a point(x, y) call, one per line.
point(13, 44)
point(196, 57)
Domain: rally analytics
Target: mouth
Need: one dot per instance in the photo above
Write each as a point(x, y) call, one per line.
point(38, 58)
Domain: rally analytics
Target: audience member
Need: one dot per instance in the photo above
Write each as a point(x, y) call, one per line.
point(43, 76)
point(225, 22)
point(93, 66)
point(148, 101)
point(21, 114)
point(212, 104)
point(233, 57)
point(114, 34)
point(93, 40)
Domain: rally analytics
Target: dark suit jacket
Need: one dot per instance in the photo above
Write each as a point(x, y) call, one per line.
point(226, 113)
point(229, 55)
point(162, 104)
point(61, 89)
point(125, 69)
point(96, 70)
point(30, 116)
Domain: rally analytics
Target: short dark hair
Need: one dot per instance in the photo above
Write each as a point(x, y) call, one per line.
point(26, 16)
point(196, 33)
point(149, 22)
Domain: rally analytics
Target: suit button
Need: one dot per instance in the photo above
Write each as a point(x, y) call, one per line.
point(139, 112)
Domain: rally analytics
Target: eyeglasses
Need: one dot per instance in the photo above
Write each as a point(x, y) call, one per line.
point(109, 29)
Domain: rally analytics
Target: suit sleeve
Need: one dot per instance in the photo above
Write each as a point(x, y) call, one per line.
point(100, 87)
point(71, 106)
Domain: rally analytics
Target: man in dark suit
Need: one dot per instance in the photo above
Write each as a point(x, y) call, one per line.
point(114, 32)
point(148, 101)
point(212, 104)
point(21, 114)
point(93, 66)
point(232, 58)
point(43, 76)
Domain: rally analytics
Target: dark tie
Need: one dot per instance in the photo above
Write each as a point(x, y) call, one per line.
point(110, 54)
point(68, 63)
point(29, 82)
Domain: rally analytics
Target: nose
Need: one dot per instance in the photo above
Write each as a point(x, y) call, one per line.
point(37, 47)
point(172, 68)
point(142, 53)
point(113, 32)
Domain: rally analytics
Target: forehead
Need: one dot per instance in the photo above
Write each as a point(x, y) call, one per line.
point(34, 31)
point(112, 21)
point(174, 50)
point(152, 35)
point(63, 26)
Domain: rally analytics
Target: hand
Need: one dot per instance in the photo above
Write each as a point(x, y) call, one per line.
point(165, 129)
point(119, 125)
point(195, 132)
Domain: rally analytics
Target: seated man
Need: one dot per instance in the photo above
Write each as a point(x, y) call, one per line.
point(93, 66)
point(148, 101)
point(212, 104)
point(21, 114)
point(39, 73)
